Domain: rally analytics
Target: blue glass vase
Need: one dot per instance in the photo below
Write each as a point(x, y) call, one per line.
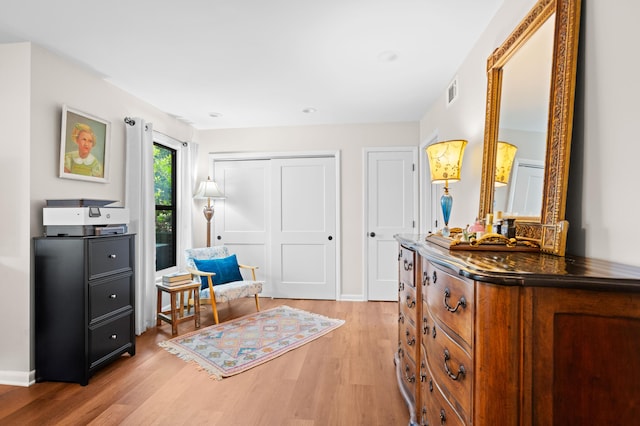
point(446, 201)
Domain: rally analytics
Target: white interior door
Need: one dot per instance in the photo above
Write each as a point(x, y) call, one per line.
point(391, 208)
point(303, 228)
point(242, 220)
point(525, 193)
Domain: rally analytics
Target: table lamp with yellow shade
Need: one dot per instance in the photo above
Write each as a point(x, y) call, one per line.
point(445, 163)
point(505, 154)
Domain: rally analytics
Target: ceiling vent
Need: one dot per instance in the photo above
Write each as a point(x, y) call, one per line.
point(452, 91)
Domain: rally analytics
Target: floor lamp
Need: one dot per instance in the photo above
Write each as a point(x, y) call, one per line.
point(208, 190)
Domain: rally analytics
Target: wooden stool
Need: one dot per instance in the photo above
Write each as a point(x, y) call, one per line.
point(175, 315)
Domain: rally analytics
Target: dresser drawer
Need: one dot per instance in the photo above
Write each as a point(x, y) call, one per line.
point(110, 337)
point(436, 410)
point(108, 255)
point(450, 300)
point(408, 372)
point(450, 366)
point(408, 305)
point(407, 260)
point(109, 296)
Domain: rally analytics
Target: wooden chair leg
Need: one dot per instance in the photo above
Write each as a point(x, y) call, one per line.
point(257, 303)
point(214, 309)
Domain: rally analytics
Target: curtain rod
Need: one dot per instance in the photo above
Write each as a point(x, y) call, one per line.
point(131, 122)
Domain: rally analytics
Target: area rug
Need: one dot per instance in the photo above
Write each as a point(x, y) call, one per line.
point(238, 345)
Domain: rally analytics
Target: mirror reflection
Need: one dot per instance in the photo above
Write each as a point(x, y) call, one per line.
point(523, 123)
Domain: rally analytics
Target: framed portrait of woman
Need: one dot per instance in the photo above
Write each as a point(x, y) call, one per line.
point(84, 146)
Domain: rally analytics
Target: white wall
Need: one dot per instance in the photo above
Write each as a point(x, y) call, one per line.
point(350, 140)
point(35, 84)
point(603, 201)
point(464, 119)
point(15, 245)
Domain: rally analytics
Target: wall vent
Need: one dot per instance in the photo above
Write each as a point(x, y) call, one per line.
point(452, 91)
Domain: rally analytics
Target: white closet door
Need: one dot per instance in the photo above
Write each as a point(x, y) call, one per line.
point(242, 220)
point(391, 209)
point(303, 228)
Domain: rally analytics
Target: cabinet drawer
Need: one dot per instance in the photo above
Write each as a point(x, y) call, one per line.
point(109, 296)
point(408, 302)
point(436, 410)
point(409, 341)
point(108, 255)
point(450, 300)
point(110, 337)
point(407, 372)
point(451, 367)
point(407, 260)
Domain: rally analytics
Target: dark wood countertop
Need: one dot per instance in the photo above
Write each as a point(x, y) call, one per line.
point(529, 269)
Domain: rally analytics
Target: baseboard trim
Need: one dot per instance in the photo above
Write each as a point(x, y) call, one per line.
point(18, 378)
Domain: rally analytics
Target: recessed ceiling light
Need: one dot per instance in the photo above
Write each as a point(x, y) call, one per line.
point(388, 56)
point(215, 114)
point(309, 110)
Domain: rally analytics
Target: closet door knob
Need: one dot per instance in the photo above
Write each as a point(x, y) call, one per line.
point(372, 234)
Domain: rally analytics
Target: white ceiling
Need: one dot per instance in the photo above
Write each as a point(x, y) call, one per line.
point(262, 62)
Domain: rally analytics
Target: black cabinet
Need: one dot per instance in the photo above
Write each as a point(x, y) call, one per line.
point(84, 301)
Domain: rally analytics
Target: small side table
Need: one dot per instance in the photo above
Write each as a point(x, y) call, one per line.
point(175, 315)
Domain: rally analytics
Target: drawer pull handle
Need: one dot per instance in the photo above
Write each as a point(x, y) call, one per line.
point(113, 337)
point(113, 296)
point(410, 341)
point(112, 256)
point(408, 266)
point(435, 277)
point(410, 379)
point(443, 417)
point(430, 385)
point(462, 302)
point(425, 326)
point(401, 286)
point(399, 255)
point(461, 369)
point(425, 278)
point(410, 303)
point(401, 318)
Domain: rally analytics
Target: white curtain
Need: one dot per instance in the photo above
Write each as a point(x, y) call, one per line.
point(187, 181)
point(139, 199)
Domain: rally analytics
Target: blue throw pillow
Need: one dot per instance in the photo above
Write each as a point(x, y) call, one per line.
point(226, 269)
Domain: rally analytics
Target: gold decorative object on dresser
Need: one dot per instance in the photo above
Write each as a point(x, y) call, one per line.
point(516, 338)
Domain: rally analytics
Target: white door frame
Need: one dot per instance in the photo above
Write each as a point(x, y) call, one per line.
point(365, 200)
point(336, 155)
point(428, 202)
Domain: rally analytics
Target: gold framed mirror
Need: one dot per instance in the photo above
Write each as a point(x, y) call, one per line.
point(561, 18)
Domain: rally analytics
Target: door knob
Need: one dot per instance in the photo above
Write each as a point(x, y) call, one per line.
point(372, 234)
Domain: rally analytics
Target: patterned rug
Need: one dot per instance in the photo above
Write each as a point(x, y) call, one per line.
point(238, 345)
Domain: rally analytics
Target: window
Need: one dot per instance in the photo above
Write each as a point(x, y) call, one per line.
point(164, 168)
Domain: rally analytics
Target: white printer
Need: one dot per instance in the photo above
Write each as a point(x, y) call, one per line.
point(81, 217)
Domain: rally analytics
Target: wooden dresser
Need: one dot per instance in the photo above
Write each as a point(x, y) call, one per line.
point(495, 338)
point(84, 299)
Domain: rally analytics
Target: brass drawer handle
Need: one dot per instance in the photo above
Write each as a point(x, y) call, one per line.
point(410, 303)
point(410, 341)
point(408, 266)
point(425, 326)
point(461, 370)
point(410, 379)
point(462, 302)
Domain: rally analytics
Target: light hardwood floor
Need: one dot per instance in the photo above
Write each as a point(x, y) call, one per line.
point(346, 377)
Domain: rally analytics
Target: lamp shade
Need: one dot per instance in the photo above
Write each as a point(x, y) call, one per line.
point(505, 154)
point(208, 189)
point(445, 160)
